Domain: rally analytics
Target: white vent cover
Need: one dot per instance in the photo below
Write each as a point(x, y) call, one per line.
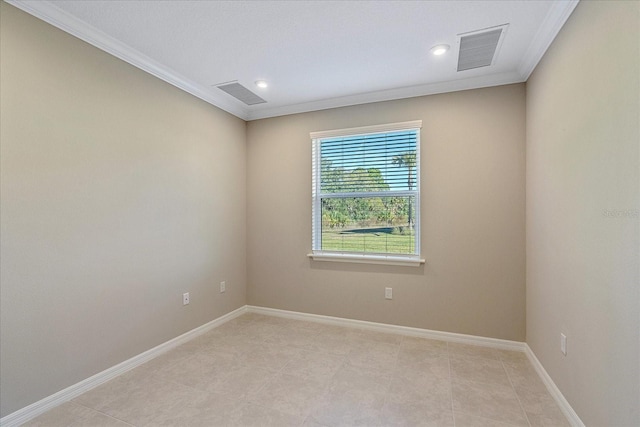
point(479, 48)
point(241, 93)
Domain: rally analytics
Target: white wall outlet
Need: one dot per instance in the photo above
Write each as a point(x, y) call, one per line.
point(563, 344)
point(223, 286)
point(388, 293)
point(185, 298)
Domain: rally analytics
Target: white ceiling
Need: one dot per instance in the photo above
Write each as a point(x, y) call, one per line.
point(314, 54)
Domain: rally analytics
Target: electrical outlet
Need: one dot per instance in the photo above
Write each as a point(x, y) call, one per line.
point(223, 286)
point(185, 298)
point(388, 293)
point(563, 344)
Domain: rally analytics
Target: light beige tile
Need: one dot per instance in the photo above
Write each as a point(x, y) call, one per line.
point(314, 366)
point(420, 387)
point(431, 367)
point(199, 371)
point(329, 342)
point(224, 332)
point(358, 382)
point(550, 418)
point(494, 401)
point(311, 422)
point(348, 408)
point(110, 392)
point(290, 337)
point(479, 370)
point(418, 358)
point(240, 320)
point(378, 357)
point(415, 414)
point(71, 414)
point(541, 409)
point(424, 344)
point(458, 350)
point(466, 420)
point(242, 381)
point(253, 415)
point(139, 401)
point(176, 355)
point(289, 394)
point(262, 330)
point(210, 409)
point(268, 356)
point(233, 344)
point(378, 337)
point(513, 356)
point(259, 370)
point(339, 331)
point(524, 377)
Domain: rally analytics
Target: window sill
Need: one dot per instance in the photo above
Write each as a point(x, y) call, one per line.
point(368, 259)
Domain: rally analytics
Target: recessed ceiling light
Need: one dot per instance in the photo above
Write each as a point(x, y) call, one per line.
point(440, 49)
point(262, 84)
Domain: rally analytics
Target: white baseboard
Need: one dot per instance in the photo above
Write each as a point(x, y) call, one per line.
point(555, 392)
point(385, 327)
point(29, 412)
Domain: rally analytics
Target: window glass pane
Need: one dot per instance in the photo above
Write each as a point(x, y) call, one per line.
point(375, 162)
point(369, 224)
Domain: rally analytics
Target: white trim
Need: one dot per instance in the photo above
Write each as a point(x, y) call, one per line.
point(363, 130)
point(394, 329)
point(555, 392)
point(50, 13)
point(367, 259)
point(499, 79)
point(547, 32)
point(29, 412)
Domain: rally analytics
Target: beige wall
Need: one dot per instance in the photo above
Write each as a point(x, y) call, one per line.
point(119, 193)
point(473, 224)
point(583, 138)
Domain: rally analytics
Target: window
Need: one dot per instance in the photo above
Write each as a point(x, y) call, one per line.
point(366, 194)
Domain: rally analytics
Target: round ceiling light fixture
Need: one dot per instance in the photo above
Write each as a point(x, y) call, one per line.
point(440, 49)
point(262, 84)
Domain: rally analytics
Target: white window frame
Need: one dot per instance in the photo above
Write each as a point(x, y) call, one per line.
point(317, 253)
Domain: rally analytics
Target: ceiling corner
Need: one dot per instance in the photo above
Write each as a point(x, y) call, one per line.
point(551, 26)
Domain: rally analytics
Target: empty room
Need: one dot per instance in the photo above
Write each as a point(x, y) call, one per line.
point(320, 213)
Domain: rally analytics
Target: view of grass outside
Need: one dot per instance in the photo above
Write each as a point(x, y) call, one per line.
point(368, 224)
point(371, 240)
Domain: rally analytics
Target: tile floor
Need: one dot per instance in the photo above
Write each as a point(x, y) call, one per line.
point(267, 371)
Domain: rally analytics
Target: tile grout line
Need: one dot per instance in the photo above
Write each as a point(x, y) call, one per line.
point(453, 413)
point(526, 417)
point(103, 413)
point(395, 365)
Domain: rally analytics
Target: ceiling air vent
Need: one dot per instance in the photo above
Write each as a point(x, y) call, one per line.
point(479, 48)
point(241, 93)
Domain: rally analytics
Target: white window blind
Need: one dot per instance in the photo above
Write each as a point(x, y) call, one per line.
point(366, 191)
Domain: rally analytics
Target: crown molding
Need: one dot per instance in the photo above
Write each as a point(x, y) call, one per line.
point(388, 95)
point(48, 12)
point(551, 26)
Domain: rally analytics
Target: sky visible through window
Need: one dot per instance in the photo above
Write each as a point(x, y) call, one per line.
point(375, 151)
